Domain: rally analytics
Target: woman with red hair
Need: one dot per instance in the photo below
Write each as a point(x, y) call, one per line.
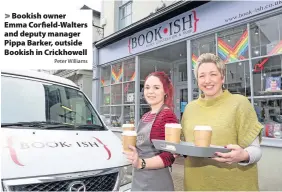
point(151, 172)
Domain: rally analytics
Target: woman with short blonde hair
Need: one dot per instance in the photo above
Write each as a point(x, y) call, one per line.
point(235, 126)
point(210, 58)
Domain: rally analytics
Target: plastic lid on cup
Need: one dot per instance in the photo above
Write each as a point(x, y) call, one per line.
point(173, 125)
point(202, 128)
point(129, 133)
point(128, 125)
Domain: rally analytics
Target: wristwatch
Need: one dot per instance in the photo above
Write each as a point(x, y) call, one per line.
point(143, 164)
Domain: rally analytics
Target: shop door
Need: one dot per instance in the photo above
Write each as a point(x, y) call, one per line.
point(181, 100)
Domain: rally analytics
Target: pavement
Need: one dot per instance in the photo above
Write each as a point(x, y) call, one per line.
point(178, 174)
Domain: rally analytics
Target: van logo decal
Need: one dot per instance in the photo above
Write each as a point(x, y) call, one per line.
point(40, 145)
point(105, 147)
point(77, 186)
point(12, 151)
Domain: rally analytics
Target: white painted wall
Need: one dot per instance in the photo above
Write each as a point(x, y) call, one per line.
point(140, 10)
point(97, 35)
point(108, 9)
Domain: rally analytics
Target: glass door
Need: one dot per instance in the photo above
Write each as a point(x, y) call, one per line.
point(181, 100)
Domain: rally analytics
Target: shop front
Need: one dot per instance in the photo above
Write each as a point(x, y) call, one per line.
point(246, 35)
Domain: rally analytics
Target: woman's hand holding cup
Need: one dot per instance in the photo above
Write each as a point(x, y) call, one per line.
point(133, 157)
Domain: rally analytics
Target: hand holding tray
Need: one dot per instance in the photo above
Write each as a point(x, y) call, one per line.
point(189, 149)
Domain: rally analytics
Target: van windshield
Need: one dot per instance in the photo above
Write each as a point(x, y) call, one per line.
point(24, 101)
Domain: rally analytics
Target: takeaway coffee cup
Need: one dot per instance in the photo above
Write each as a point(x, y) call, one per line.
point(128, 138)
point(202, 136)
point(172, 132)
point(128, 127)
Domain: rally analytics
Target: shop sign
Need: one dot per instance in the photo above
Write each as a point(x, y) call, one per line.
point(175, 29)
point(206, 17)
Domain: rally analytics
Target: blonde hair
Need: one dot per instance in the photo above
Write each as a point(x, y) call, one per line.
point(210, 58)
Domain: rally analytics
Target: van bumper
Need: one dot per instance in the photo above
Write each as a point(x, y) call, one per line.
point(125, 188)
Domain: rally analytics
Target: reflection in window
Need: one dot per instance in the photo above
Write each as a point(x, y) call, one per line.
point(30, 100)
point(116, 94)
point(129, 93)
point(269, 112)
point(232, 45)
point(182, 72)
point(106, 96)
point(129, 117)
point(129, 70)
point(117, 73)
point(105, 76)
point(147, 66)
point(266, 36)
point(105, 115)
point(237, 78)
point(267, 77)
point(116, 117)
point(203, 45)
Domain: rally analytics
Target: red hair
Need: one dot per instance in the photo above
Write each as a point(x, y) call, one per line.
point(167, 85)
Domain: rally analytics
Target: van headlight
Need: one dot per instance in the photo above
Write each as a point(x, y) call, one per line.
point(125, 175)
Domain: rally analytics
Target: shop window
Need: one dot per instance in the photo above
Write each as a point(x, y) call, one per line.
point(106, 76)
point(116, 116)
point(269, 113)
point(129, 70)
point(237, 78)
point(147, 66)
point(268, 94)
point(182, 71)
point(232, 44)
point(203, 45)
point(117, 73)
point(129, 93)
point(266, 38)
point(106, 95)
point(105, 115)
point(129, 114)
point(118, 95)
point(267, 76)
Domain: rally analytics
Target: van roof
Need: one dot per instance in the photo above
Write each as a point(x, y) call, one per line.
point(40, 75)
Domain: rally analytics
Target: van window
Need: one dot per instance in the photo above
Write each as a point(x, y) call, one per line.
point(24, 100)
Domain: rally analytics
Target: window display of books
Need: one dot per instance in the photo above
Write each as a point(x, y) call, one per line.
point(273, 84)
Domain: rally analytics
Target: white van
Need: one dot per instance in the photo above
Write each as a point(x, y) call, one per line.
point(53, 138)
